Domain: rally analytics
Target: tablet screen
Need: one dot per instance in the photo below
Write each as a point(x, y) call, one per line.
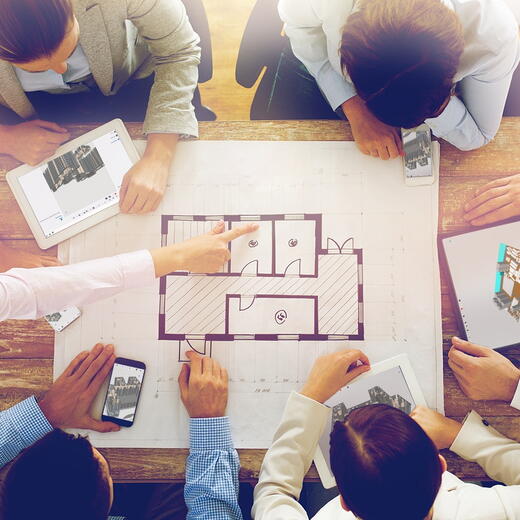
point(77, 184)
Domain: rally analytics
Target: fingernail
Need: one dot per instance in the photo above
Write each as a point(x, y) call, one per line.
point(109, 348)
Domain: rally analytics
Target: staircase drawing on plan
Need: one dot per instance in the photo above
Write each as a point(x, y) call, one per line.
point(286, 281)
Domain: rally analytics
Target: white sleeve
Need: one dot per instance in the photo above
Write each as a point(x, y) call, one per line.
point(472, 120)
point(32, 293)
point(498, 456)
point(515, 403)
point(288, 460)
point(309, 45)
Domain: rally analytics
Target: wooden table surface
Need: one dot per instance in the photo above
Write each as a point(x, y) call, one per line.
point(26, 348)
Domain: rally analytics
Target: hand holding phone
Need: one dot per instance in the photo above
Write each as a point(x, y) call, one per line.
point(123, 392)
point(67, 404)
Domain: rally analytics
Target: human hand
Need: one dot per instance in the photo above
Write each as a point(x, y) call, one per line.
point(496, 200)
point(481, 372)
point(143, 186)
point(203, 254)
point(332, 372)
point(204, 387)
point(11, 258)
point(371, 135)
point(441, 430)
point(67, 404)
point(32, 142)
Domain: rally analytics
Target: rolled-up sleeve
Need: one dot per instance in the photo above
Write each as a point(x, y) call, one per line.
point(173, 43)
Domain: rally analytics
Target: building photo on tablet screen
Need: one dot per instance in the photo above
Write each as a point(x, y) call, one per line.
point(77, 184)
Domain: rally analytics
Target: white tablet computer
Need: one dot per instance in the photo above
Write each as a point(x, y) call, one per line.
point(391, 382)
point(77, 187)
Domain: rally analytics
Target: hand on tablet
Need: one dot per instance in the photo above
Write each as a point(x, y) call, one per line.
point(332, 372)
point(482, 373)
point(33, 141)
point(203, 254)
point(441, 430)
point(495, 201)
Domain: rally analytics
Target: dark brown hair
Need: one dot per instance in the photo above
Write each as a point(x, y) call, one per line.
point(384, 464)
point(32, 29)
point(402, 56)
point(58, 477)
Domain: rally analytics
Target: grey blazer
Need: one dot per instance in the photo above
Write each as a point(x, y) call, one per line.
point(125, 39)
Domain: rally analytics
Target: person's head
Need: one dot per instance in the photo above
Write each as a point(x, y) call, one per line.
point(402, 56)
point(385, 464)
point(60, 477)
point(38, 35)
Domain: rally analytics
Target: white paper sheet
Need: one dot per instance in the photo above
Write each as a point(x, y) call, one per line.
point(362, 204)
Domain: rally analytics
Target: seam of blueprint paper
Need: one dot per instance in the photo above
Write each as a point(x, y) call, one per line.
point(355, 204)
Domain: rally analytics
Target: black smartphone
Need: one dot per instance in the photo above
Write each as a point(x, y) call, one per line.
point(124, 388)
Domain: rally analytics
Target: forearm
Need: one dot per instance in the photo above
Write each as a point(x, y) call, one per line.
point(174, 46)
point(32, 293)
point(289, 459)
point(211, 489)
point(20, 427)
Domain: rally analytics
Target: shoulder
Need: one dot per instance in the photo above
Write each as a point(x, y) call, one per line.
point(301, 12)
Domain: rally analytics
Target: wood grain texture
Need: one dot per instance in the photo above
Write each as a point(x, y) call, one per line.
point(26, 348)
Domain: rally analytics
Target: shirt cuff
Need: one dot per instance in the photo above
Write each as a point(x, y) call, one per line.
point(138, 269)
point(28, 420)
point(449, 119)
point(472, 430)
point(212, 433)
point(335, 87)
point(515, 403)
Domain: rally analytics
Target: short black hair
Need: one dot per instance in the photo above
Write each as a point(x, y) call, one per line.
point(58, 478)
point(32, 29)
point(384, 461)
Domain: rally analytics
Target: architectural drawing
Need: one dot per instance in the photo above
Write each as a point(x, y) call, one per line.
point(507, 281)
point(284, 282)
point(377, 396)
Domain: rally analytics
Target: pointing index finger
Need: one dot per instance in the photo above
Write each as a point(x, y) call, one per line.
point(234, 233)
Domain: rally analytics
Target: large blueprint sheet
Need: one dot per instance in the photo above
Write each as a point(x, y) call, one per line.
point(346, 256)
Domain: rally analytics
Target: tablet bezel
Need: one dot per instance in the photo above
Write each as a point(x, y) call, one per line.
point(13, 176)
point(402, 361)
point(444, 264)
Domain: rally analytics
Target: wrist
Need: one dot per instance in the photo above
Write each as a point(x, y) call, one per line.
point(352, 106)
point(313, 393)
point(166, 260)
point(160, 149)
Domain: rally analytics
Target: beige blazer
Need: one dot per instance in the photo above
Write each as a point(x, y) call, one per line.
point(125, 39)
point(295, 442)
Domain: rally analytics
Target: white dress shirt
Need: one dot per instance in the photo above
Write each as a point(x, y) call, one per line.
point(78, 69)
point(491, 55)
point(296, 440)
point(33, 293)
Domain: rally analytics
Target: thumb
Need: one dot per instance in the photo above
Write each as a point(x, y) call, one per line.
point(184, 381)
point(469, 348)
point(218, 228)
point(49, 125)
point(100, 426)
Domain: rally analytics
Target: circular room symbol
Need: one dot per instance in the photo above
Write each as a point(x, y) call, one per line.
point(293, 242)
point(280, 316)
point(253, 243)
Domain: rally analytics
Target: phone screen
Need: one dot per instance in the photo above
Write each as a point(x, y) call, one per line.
point(123, 393)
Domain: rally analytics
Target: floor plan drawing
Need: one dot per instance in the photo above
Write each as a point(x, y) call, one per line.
point(284, 282)
point(344, 257)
